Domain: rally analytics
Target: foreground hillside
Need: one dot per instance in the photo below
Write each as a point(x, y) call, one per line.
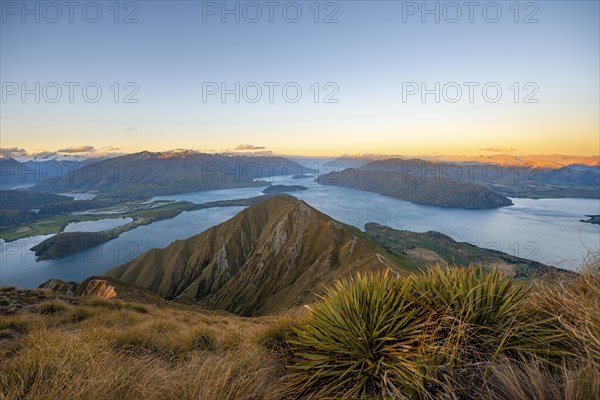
point(449, 333)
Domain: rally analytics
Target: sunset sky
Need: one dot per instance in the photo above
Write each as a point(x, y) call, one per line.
point(370, 57)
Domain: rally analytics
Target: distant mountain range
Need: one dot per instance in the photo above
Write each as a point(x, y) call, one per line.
point(279, 253)
point(552, 161)
point(38, 169)
point(520, 180)
point(147, 174)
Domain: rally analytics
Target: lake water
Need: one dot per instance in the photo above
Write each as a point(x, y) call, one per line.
point(18, 265)
point(97, 226)
point(548, 231)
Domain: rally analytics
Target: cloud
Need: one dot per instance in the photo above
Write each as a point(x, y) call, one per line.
point(77, 149)
point(248, 147)
point(132, 128)
point(501, 149)
point(109, 148)
point(12, 151)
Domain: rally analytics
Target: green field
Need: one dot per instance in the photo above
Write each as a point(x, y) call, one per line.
point(56, 223)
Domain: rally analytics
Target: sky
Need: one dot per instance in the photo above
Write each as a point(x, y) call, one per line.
point(343, 77)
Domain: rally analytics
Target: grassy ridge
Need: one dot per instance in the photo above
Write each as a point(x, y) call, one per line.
point(451, 333)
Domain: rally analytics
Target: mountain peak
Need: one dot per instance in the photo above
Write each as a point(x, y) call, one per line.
point(274, 255)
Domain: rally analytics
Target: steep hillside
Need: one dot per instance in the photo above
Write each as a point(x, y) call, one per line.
point(272, 256)
point(148, 174)
point(433, 191)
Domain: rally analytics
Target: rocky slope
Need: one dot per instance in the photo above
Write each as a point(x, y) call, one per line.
point(272, 256)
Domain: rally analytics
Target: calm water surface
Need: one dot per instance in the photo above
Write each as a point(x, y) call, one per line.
point(548, 231)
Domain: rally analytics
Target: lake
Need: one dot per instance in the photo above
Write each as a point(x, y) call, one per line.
point(18, 265)
point(547, 230)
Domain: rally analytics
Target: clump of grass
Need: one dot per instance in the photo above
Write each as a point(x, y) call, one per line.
point(50, 307)
point(14, 324)
point(575, 302)
point(202, 339)
point(525, 378)
point(362, 340)
point(119, 318)
point(162, 327)
point(80, 314)
point(144, 342)
point(138, 308)
point(6, 289)
point(276, 337)
point(95, 301)
point(479, 315)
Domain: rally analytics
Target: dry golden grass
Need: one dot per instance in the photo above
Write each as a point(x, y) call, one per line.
point(98, 350)
point(92, 348)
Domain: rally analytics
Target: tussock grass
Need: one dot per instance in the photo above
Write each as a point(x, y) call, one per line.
point(80, 354)
point(50, 307)
point(452, 333)
point(80, 314)
point(446, 333)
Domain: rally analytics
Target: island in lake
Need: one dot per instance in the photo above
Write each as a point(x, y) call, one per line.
point(276, 189)
point(592, 219)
